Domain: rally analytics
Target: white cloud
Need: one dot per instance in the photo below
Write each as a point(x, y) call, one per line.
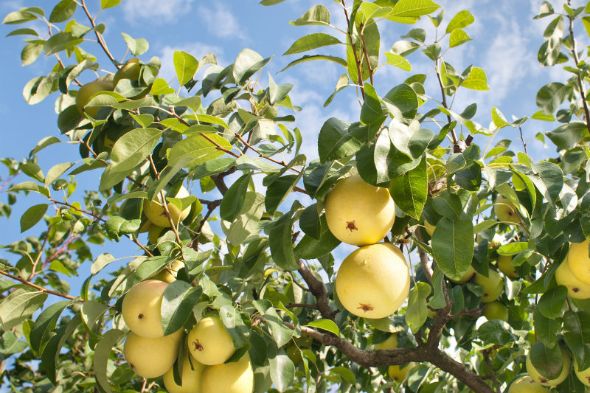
point(155, 11)
point(196, 49)
point(220, 21)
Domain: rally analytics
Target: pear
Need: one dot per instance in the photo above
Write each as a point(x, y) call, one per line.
point(492, 285)
point(210, 343)
point(495, 310)
point(467, 276)
point(583, 375)
point(235, 377)
point(505, 211)
point(152, 357)
point(389, 343)
point(527, 385)
point(359, 213)
point(576, 289)
point(536, 375)
point(400, 372)
point(155, 212)
point(578, 258)
point(168, 274)
point(191, 378)
point(141, 308)
point(506, 266)
point(88, 91)
point(129, 70)
point(373, 281)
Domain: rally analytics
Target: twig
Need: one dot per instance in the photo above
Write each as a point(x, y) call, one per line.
point(262, 155)
point(522, 140)
point(37, 287)
point(366, 53)
point(445, 105)
point(38, 258)
point(98, 35)
point(356, 59)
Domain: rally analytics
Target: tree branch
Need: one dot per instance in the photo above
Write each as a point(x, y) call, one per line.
point(579, 77)
point(98, 35)
point(37, 287)
point(317, 288)
point(356, 59)
point(456, 147)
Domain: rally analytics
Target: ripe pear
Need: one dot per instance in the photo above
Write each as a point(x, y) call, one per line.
point(191, 378)
point(88, 91)
point(155, 212)
point(129, 70)
point(168, 274)
point(373, 281)
point(359, 213)
point(527, 385)
point(578, 258)
point(235, 377)
point(152, 357)
point(536, 375)
point(141, 308)
point(583, 375)
point(576, 289)
point(506, 266)
point(210, 343)
point(505, 211)
point(400, 372)
point(493, 286)
point(467, 276)
point(495, 310)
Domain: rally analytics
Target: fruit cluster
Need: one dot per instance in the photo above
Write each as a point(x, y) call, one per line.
point(208, 347)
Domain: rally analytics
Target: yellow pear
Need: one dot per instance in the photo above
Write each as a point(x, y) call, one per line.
point(467, 276)
point(210, 343)
point(536, 375)
point(400, 373)
point(578, 258)
point(492, 285)
point(506, 266)
point(505, 211)
point(359, 213)
point(495, 310)
point(527, 385)
point(141, 308)
point(152, 357)
point(429, 228)
point(576, 289)
point(191, 378)
point(168, 274)
point(583, 375)
point(129, 70)
point(235, 377)
point(373, 281)
point(155, 212)
point(88, 91)
point(389, 343)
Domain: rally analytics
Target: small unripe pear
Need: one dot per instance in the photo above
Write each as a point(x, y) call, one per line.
point(129, 70)
point(495, 310)
point(492, 285)
point(505, 211)
point(506, 266)
point(88, 91)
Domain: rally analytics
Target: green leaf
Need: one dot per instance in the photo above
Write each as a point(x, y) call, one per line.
point(417, 312)
point(31, 52)
point(552, 303)
point(161, 87)
point(403, 100)
point(498, 118)
point(452, 246)
point(137, 46)
point(19, 305)
point(177, 303)
point(335, 141)
point(316, 15)
point(234, 198)
point(413, 8)
point(247, 64)
point(547, 361)
point(326, 325)
point(56, 171)
point(100, 262)
point(277, 92)
point(186, 67)
point(458, 37)
point(312, 248)
point(496, 332)
point(45, 324)
point(63, 11)
point(102, 354)
point(282, 372)
point(568, 135)
point(104, 4)
point(312, 41)
point(50, 355)
point(278, 190)
point(306, 58)
point(280, 241)
point(586, 23)
point(270, 2)
point(32, 216)
point(460, 20)
point(23, 15)
point(91, 313)
point(129, 151)
point(513, 248)
point(577, 336)
point(398, 61)
point(476, 79)
point(411, 190)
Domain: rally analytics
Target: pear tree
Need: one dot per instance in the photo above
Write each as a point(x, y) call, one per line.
point(415, 249)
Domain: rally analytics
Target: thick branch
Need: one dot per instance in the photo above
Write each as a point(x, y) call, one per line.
point(317, 288)
point(37, 287)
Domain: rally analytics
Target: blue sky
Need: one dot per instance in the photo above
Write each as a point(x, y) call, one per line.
point(506, 40)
